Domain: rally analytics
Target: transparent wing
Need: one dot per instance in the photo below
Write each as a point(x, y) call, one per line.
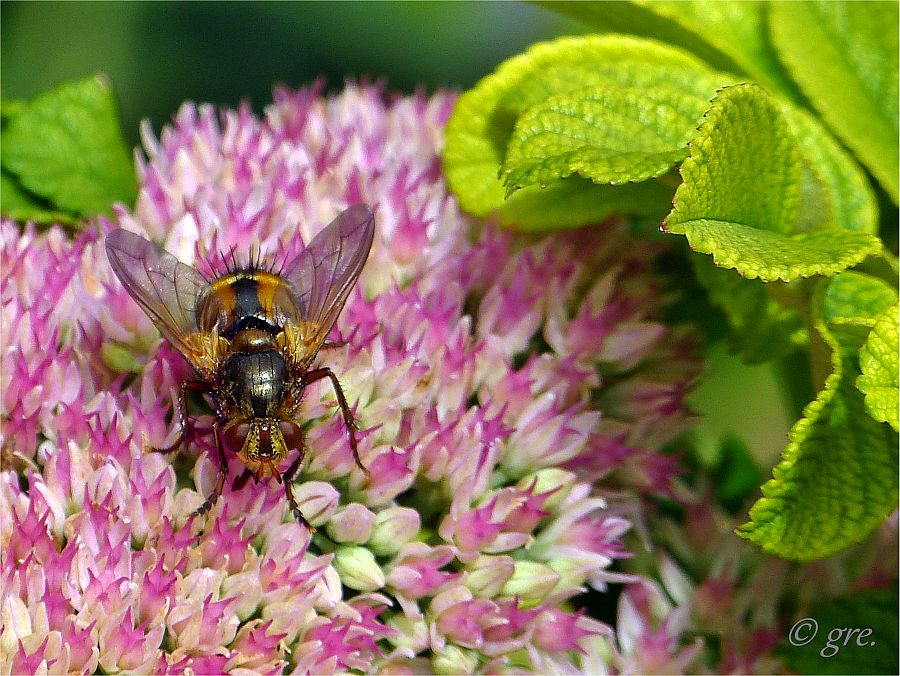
point(166, 289)
point(323, 273)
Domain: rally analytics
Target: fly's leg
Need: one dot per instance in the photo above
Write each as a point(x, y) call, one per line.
point(287, 478)
point(332, 344)
point(318, 374)
point(242, 480)
point(193, 386)
point(220, 480)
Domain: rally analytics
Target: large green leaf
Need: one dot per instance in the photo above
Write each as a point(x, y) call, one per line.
point(738, 29)
point(862, 312)
point(569, 64)
point(742, 192)
point(66, 147)
point(879, 363)
point(610, 134)
point(19, 205)
point(586, 106)
point(837, 479)
point(841, 196)
point(730, 36)
point(744, 167)
point(756, 252)
point(479, 131)
point(852, 303)
point(844, 55)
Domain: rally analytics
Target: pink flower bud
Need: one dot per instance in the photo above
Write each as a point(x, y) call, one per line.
point(351, 523)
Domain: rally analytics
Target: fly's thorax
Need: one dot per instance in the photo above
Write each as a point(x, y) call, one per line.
point(243, 294)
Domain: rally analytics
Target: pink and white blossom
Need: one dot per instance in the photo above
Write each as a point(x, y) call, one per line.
point(472, 359)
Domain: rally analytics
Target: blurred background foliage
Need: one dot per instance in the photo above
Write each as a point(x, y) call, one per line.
point(160, 54)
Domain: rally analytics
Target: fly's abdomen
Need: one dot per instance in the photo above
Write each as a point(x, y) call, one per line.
point(256, 381)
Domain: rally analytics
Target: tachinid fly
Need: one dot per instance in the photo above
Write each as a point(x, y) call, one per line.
point(251, 336)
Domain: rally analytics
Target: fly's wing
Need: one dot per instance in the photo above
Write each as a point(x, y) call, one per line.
point(323, 273)
point(166, 289)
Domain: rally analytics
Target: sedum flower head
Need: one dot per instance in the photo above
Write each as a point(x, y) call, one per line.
point(504, 386)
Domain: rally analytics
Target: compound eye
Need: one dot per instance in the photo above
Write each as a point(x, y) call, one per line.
point(293, 437)
point(235, 436)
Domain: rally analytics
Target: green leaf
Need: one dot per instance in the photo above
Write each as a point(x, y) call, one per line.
point(569, 64)
point(744, 166)
point(741, 196)
point(10, 108)
point(834, 193)
point(837, 479)
point(855, 296)
point(729, 36)
point(770, 255)
point(617, 16)
point(20, 205)
point(475, 142)
point(833, 651)
point(841, 196)
point(738, 29)
point(66, 146)
point(479, 130)
point(844, 57)
point(576, 201)
point(608, 134)
point(762, 329)
point(878, 362)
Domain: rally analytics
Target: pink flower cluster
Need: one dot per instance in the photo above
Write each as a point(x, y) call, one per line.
point(505, 386)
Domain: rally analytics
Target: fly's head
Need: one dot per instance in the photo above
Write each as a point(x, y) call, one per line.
point(262, 443)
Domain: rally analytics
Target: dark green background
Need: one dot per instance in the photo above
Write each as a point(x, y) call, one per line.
point(159, 54)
